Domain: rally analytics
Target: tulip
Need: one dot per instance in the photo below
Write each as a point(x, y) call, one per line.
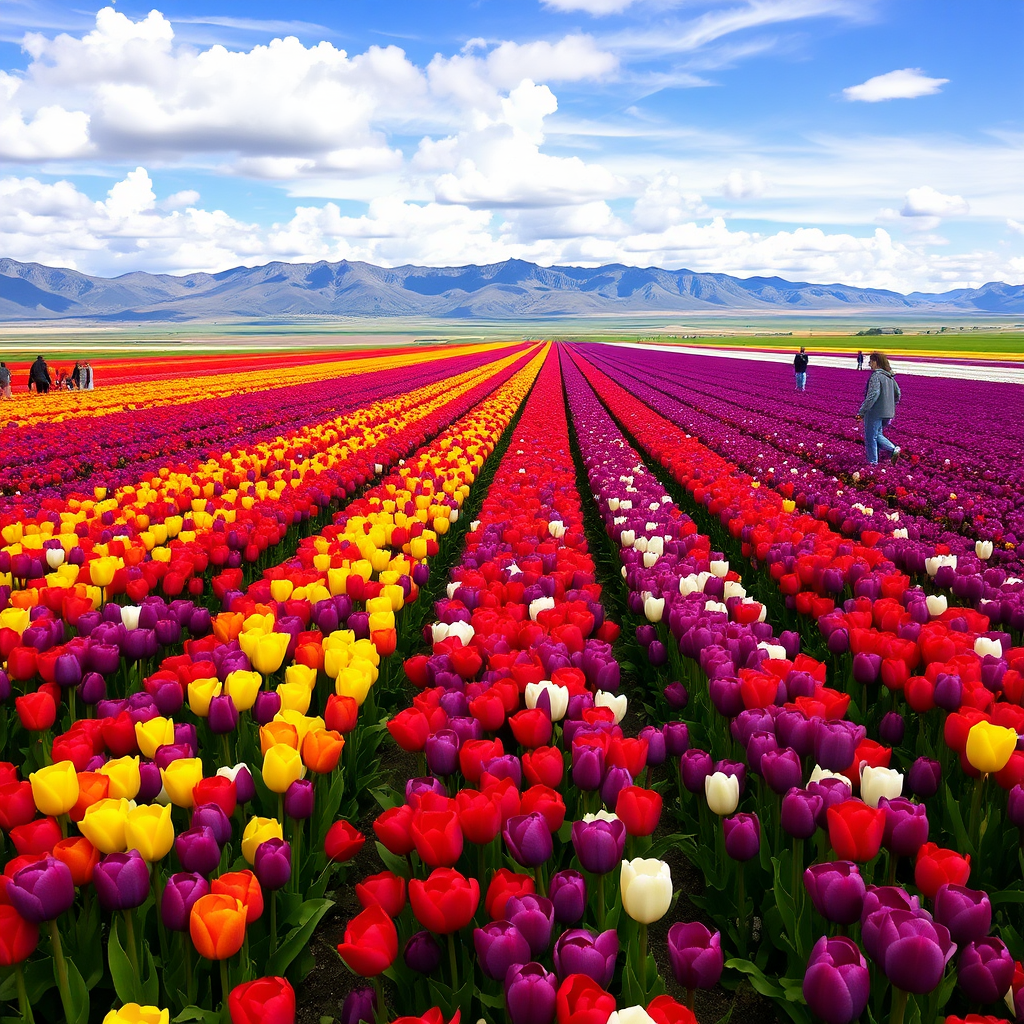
point(935, 867)
point(121, 881)
point(272, 864)
point(567, 891)
point(385, 889)
point(180, 779)
point(989, 746)
point(967, 913)
point(580, 1000)
point(263, 1001)
point(213, 816)
point(985, 970)
point(530, 995)
point(41, 891)
point(579, 951)
point(245, 887)
point(180, 893)
point(665, 1010)
point(646, 889)
point(18, 937)
point(695, 954)
point(55, 788)
point(371, 942)
point(80, 856)
point(599, 844)
point(528, 839)
point(505, 884)
point(133, 1013)
point(148, 830)
point(217, 926)
point(855, 830)
point(876, 783)
point(298, 800)
point(906, 826)
point(257, 831)
point(836, 984)
point(534, 916)
point(445, 902)
point(422, 953)
point(104, 824)
point(360, 1005)
point(722, 792)
point(268, 651)
point(799, 813)
point(837, 890)
point(923, 777)
point(198, 850)
point(639, 810)
point(742, 836)
point(500, 946)
point(282, 765)
point(125, 777)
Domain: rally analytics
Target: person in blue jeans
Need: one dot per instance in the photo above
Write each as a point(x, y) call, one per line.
point(879, 407)
point(800, 362)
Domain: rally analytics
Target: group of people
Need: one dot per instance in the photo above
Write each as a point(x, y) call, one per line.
point(876, 412)
point(41, 380)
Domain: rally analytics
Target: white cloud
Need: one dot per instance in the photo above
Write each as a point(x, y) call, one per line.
point(1015, 225)
point(744, 185)
point(906, 84)
point(594, 7)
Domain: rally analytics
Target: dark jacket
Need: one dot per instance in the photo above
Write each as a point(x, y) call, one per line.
point(881, 397)
point(800, 362)
point(40, 372)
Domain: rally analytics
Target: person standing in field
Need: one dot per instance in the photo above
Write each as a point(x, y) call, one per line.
point(5, 381)
point(39, 375)
point(88, 376)
point(800, 369)
point(860, 360)
point(879, 407)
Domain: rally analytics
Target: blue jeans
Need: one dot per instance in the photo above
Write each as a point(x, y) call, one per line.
point(801, 382)
point(875, 439)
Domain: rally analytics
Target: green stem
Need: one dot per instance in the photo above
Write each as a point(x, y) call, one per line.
point(273, 921)
point(741, 901)
point(600, 903)
point(132, 951)
point(297, 854)
point(187, 944)
point(226, 745)
point(899, 1006)
point(798, 870)
point(225, 990)
point(975, 826)
point(642, 966)
point(24, 1006)
point(454, 964)
point(62, 971)
point(538, 875)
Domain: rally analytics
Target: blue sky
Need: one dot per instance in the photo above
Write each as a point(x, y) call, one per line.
point(876, 142)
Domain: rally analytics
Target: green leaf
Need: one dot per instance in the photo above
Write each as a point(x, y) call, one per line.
point(757, 979)
point(120, 967)
point(79, 995)
point(150, 986)
point(198, 1013)
point(298, 938)
point(394, 863)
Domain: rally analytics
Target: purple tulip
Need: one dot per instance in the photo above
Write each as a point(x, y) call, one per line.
point(534, 916)
point(836, 983)
point(223, 717)
point(245, 788)
point(615, 781)
point(1015, 806)
point(499, 945)
point(835, 743)
point(781, 769)
point(734, 768)
point(42, 891)
point(677, 738)
point(587, 767)
point(891, 729)
point(422, 953)
point(677, 696)
point(528, 839)
point(742, 836)
point(760, 744)
point(967, 913)
point(298, 800)
point(694, 767)
point(508, 766)
point(924, 777)
point(837, 890)
point(656, 747)
point(442, 752)
point(599, 844)
point(696, 955)
point(266, 706)
point(121, 880)
point(866, 668)
point(180, 893)
point(530, 993)
point(906, 826)
point(985, 970)
point(832, 792)
point(800, 810)
point(198, 850)
point(911, 950)
point(579, 951)
point(272, 864)
point(93, 688)
point(567, 891)
point(794, 729)
point(360, 1005)
point(213, 816)
point(887, 897)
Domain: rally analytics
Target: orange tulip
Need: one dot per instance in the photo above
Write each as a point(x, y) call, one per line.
point(278, 732)
point(321, 750)
point(385, 640)
point(227, 626)
point(80, 856)
point(244, 887)
point(92, 786)
point(217, 925)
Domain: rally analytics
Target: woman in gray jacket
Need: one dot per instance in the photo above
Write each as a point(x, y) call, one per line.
point(879, 407)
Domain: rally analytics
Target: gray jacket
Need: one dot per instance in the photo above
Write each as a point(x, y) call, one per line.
point(882, 397)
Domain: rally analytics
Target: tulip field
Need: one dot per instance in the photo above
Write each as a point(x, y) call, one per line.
point(518, 683)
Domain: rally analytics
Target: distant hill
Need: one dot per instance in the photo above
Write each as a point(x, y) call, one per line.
point(30, 291)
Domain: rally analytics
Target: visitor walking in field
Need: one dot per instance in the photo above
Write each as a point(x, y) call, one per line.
point(879, 407)
point(800, 368)
point(39, 375)
point(5, 381)
point(860, 360)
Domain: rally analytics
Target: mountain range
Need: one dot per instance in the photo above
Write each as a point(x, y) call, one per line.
point(512, 289)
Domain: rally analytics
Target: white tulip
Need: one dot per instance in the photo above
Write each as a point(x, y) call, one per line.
point(474, 526)
point(719, 568)
point(513, 570)
point(654, 608)
point(820, 774)
point(453, 515)
point(539, 605)
point(932, 565)
point(630, 1015)
point(733, 588)
point(556, 528)
point(54, 557)
point(640, 544)
point(776, 652)
point(878, 782)
point(627, 537)
point(613, 504)
point(715, 606)
point(463, 630)
point(601, 815)
point(646, 887)
point(985, 645)
point(722, 793)
point(983, 549)
point(688, 585)
point(650, 559)
point(617, 703)
point(451, 588)
point(558, 697)
point(439, 632)
point(130, 616)
point(657, 545)
point(625, 504)
point(936, 605)
point(900, 534)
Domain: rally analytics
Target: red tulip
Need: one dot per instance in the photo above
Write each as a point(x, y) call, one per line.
point(16, 805)
point(371, 942)
point(639, 810)
point(18, 937)
point(855, 830)
point(531, 727)
point(385, 889)
point(474, 753)
point(544, 766)
point(34, 837)
point(37, 711)
point(410, 729)
point(547, 802)
point(343, 842)
point(341, 714)
point(445, 902)
point(437, 837)
point(581, 1000)
point(630, 754)
point(394, 829)
point(504, 884)
point(665, 1010)
point(479, 816)
point(263, 1001)
point(935, 866)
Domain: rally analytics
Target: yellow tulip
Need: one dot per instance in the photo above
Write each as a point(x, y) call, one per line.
point(104, 825)
point(294, 696)
point(243, 688)
point(351, 682)
point(101, 570)
point(148, 829)
point(125, 777)
point(282, 766)
point(133, 1013)
point(301, 674)
point(180, 777)
point(258, 831)
point(55, 788)
point(281, 590)
point(200, 693)
point(989, 746)
point(157, 732)
point(269, 652)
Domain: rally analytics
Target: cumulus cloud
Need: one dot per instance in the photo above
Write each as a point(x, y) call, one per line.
point(929, 202)
point(594, 7)
point(906, 84)
point(744, 185)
